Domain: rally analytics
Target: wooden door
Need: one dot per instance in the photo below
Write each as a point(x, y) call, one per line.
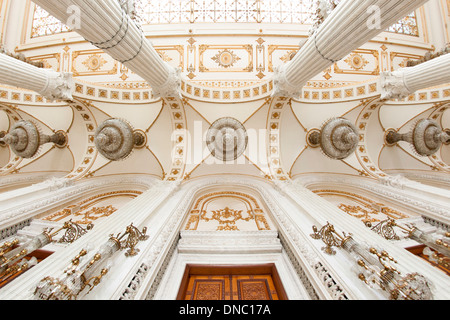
point(231, 283)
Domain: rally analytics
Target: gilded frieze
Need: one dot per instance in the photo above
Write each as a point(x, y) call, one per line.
point(360, 207)
point(362, 61)
point(227, 211)
point(86, 212)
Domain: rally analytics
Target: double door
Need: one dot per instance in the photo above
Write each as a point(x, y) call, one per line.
point(231, 283)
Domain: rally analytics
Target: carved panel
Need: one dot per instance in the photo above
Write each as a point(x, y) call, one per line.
point(255, 288)
point(208, 288)
point(259, 282)
point(362, 61)
point(230, 58)
point(227, 211)
point(93, 62)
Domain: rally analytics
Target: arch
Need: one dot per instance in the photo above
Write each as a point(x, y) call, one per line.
point(367, 208)
point(400, 196)
point(241, 212)
point(38, 199)
point(92, 208)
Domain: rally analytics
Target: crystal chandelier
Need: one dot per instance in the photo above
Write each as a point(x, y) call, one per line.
point(24, 139)
point(375, 267)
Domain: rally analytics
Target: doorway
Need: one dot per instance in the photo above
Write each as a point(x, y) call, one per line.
point(255, 282)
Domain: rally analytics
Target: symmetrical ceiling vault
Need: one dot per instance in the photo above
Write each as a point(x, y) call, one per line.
point(225, 76)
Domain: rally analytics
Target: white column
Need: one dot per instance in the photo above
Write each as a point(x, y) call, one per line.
point(52, 85)
point(435, 23)
point(12, 33)
point(404, 82)
point(107, 26)
point(323, 212)
point(136, 211)
point(26, 203)
point(351, 24)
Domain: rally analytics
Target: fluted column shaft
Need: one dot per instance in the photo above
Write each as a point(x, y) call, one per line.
point(434, 15)
point(136, 212)
point(52, 85)
point(107, 26)
point(351, 24)
point(323, 211)
point(402, 83)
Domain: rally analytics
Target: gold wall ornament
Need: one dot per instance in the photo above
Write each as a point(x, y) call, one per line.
point(361, 61)
point(227, 216)
point(87, 211)
point(330, 237)
point(413, 286)
point(435, 242)
point(359, 212)
point(356, 61)
point(133, 236)
point(94, 62)
point(94, 213)
point(375, 267)
point(225, 58)
point(366, 209)
point(384, 228)
point(74, 231)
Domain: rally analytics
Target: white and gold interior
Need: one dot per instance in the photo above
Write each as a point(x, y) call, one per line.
point(244, 212)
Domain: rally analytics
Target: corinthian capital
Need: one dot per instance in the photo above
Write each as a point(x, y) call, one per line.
point(393, 85)
point(59, 86)
point(172, 86)
point(282, 87)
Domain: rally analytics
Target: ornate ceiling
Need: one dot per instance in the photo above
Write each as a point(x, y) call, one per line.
point(226, 73)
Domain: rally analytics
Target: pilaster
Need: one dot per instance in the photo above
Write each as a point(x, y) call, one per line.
point(401, 83)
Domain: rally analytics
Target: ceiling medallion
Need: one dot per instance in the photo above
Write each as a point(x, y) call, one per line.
point(226, 58)
point(356, 61)
point(94, 62)
point(227, 139)
point(338, 138)
point(115, 139)
point(426, 137)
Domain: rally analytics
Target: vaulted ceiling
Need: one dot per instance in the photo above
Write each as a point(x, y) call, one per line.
point(176, 127)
